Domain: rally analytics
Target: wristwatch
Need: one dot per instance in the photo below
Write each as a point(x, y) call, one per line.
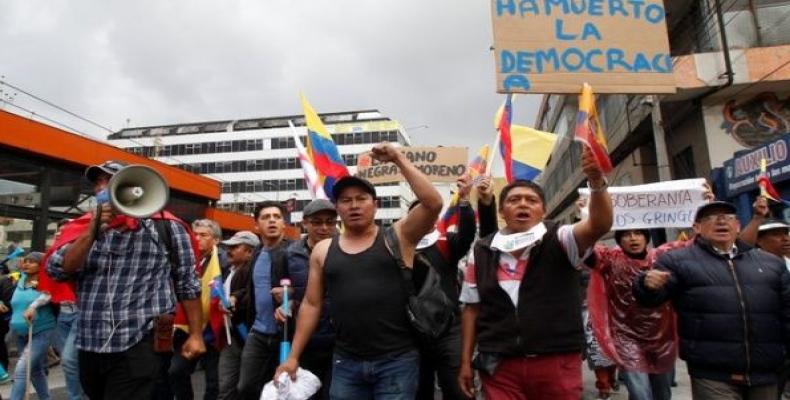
point(600, 188)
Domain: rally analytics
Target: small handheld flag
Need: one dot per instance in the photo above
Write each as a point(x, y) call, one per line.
point(525, 151)
point(310, 174)
point(505, 141)
point(767, 188)
point(218, 292)
point(479, 165)
point(589, 130)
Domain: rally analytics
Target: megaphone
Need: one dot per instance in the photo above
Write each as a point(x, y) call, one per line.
point(138, 191)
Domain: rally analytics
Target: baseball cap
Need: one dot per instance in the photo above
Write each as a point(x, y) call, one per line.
point(243, 237)
point(706, 209)
point(351, 181)
point(772, 224)
point(318, 205)
point(36, 256)
point(110, 167)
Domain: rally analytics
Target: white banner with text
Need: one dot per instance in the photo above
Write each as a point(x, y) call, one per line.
point(670, 204)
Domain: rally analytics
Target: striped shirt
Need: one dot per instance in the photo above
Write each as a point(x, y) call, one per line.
point(511, 269)
point(126, 282)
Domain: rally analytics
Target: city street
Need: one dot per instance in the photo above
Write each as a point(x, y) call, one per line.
point(681, 392)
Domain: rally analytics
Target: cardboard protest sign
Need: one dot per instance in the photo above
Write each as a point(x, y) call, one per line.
point(440, 164)
point(670, 204)
point(554, 46)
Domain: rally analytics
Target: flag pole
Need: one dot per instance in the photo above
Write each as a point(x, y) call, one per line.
point(763, 172)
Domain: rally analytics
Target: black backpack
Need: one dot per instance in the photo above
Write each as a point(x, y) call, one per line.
point(430, 310)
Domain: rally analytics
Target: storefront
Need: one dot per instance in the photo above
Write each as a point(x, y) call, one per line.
point(737, 180)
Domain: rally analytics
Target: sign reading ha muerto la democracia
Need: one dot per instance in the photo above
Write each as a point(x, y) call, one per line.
point(554, 46)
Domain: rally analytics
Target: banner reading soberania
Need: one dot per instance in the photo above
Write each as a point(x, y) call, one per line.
point(554, 46)
point(670, 204)
point(440, 164)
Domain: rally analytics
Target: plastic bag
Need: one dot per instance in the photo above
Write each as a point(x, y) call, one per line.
point(636, 338)
point(305, 385)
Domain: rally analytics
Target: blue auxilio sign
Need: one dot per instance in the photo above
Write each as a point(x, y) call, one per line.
point(742, 170)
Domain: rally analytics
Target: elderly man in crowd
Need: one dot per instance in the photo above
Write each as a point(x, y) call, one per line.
point(733, 306)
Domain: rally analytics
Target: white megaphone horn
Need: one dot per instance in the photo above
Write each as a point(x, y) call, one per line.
point(138, 191)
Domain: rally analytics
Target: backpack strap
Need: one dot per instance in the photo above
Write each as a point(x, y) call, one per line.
point(165, 233)
point(393, 246)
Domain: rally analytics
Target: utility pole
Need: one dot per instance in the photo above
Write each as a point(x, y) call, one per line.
point(662, 157)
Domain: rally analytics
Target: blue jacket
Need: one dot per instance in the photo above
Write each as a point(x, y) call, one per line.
point(733, 314)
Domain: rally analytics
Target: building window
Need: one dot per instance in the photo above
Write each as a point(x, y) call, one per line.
point(683, 164)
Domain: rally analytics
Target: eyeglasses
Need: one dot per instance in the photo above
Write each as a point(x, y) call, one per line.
point(327, 222)
point(717, 217)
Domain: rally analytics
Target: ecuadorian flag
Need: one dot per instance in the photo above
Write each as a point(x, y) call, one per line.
point(322, 150)
point(529, 149)
point(589, 130)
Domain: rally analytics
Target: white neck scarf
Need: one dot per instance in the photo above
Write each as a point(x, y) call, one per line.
point(517, 241)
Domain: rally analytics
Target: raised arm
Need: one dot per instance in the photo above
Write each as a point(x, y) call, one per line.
point(461, 240)
point(77, 252)
point(420, 220)
point(760, 212)
point(486, 207)
point(599, 220)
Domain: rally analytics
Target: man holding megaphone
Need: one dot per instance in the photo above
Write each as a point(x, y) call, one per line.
point(130, 262)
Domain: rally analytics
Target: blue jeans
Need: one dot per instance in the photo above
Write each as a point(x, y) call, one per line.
point(37, 351)
point(644, 386)
point(390, 378)
point(63, 341)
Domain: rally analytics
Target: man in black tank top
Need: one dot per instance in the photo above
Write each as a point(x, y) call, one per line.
point(375, 351)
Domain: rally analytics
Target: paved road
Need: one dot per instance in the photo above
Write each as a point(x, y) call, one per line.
point(681, 392)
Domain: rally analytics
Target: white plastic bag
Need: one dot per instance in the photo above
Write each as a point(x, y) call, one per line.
point(305, 385)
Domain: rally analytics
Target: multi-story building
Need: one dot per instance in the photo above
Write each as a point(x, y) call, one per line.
point(256, 159)
point(731, 63)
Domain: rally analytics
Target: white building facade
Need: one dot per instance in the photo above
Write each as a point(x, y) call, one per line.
point(256, 159)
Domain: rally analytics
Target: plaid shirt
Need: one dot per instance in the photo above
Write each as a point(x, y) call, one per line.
point(126, 282)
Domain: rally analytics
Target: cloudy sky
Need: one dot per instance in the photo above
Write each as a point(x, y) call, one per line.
point(162, 62)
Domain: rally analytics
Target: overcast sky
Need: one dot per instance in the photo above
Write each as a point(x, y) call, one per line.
point(162, 62)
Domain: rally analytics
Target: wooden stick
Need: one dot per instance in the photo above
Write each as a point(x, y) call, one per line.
point(29, 360)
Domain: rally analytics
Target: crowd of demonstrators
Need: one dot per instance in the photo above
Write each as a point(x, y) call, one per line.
point(127, 289)
point(640, 341)
point(375, 353)
point(733, 307)
point(516, 318)
point(263, 294)
point(180, 369)
point(319, 219)
point(605, 370)
point(33, 324)
point(522, 299)
point(6, 293)
point(240, 248)
point(439, 253)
